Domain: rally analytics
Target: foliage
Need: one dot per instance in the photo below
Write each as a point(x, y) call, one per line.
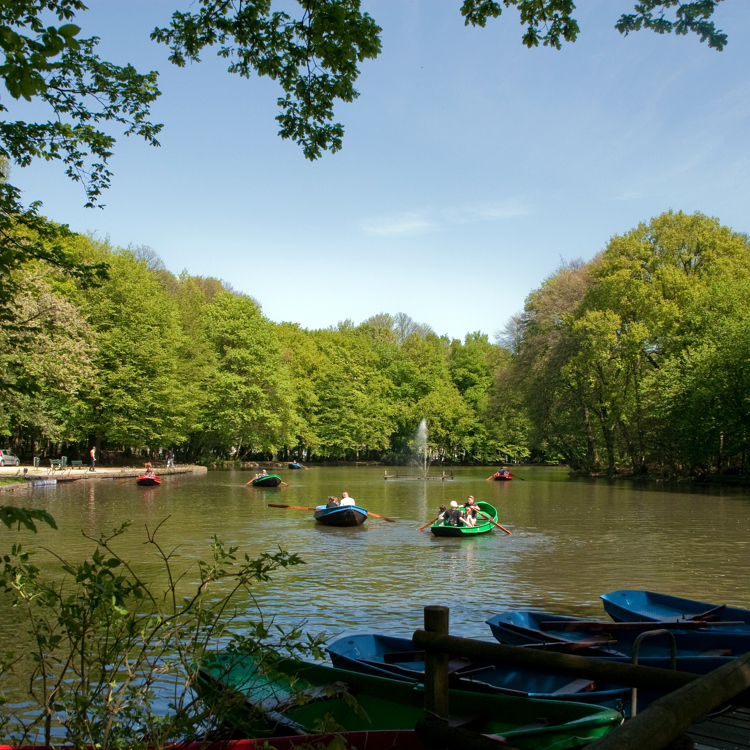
point(314, 58)
point(107, 647)
point(639, 356)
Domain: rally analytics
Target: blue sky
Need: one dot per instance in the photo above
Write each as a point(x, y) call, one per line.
point(471, 165)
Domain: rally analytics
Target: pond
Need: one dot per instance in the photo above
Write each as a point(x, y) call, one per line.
point(572, 541)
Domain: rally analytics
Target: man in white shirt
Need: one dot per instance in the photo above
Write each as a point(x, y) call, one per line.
point(346, 500)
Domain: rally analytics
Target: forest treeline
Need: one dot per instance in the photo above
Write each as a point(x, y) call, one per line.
point(636, 361)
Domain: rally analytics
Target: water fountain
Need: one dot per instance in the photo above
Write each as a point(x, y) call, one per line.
point(423, 457)
point(423, 453)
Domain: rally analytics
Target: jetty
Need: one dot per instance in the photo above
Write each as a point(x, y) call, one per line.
point(397, 475)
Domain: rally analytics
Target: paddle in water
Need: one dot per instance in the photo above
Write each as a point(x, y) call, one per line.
point(499, 526)
point(429, 523)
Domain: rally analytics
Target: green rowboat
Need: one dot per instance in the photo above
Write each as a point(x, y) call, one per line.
point(300, 696)
point(482, 527)
point(266, 480)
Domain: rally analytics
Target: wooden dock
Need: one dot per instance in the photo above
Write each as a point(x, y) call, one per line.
point(698, 712)
point(726, 730)
point(440, 478)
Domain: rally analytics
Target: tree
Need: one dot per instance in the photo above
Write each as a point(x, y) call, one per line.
point(250, 404)
point(140, 397)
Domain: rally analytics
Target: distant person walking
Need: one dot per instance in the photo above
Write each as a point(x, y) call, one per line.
point(92, 453)
point(170, 459)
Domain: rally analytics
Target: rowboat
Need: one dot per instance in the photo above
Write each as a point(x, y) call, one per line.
point(266, 480)
point(401, 659)
point(148, 480)
point(340, 515)
point(502, 476)
point(482, 527)
point(378, 740)
point(296, 695)
point(592, 638)
point(295, 465)
point(652, 607)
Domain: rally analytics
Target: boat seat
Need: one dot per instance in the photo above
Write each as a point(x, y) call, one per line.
point(709, 614)
point(718, 652)
point(280, 703)
point(462, 721)
point(581, 685)
point(403, 656)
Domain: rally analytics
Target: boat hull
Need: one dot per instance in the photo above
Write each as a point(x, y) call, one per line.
point(367, 740)
point(482, 526)
point(346, 515)
point(295, 466)
point(401, 658)
point(388, 704)
point(649, 606)
point(498, 477)
point(270, 480)
point(522, 628)
point(146, 481)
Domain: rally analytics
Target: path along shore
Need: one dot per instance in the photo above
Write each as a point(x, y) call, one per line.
point(69, 474)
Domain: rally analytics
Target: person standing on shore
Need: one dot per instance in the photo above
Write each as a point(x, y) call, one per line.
point(92, 453)
point(170, 459)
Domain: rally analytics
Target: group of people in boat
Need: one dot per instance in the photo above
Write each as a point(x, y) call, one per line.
point(459, 515)
point(334, 502)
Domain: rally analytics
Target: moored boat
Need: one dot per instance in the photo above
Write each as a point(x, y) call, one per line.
point(593, 638)
point(340, 515)
point(391, 704)
point(401, 658)
point(148, 480)
point(372, 740)
point(266, 480)
point(649, 606)
point(482, 526)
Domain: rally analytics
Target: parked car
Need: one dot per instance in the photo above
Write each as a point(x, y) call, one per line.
point(8, 458)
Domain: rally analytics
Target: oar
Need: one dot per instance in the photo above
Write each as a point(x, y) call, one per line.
point(499, 526)
point(390, 520)
point(422, 528)
point(284, 483)
point(129, 479)
point(489, 477)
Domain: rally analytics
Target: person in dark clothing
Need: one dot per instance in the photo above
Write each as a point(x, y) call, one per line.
point(333, 502)
point(452, 515)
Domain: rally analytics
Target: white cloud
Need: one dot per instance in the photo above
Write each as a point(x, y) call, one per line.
point(428, 220)
point(407, 223)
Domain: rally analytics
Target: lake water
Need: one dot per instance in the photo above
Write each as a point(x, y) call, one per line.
point(572, 541)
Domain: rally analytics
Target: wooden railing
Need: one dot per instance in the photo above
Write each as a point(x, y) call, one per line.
point(689, 697)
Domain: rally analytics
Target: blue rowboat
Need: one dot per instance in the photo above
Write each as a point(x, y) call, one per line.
point(648, 606)
point(295, 465)
point(591, 638)
point(340, 515)
point(401, 659)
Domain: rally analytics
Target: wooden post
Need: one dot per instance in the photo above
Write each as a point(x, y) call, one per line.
point(436, 621)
